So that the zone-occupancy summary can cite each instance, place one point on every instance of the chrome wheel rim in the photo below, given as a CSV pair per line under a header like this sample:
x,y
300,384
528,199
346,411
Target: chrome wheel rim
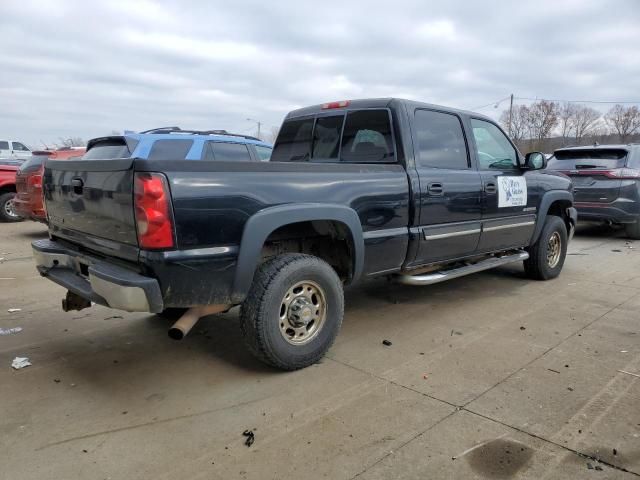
x,y
554,247
9,209
303,311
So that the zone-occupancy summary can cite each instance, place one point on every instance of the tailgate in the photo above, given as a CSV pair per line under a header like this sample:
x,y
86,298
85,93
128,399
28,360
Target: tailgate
x,y
93,198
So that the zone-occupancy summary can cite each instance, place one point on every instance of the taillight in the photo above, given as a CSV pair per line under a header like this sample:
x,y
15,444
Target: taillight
x,y
153,211
34,181
340,104
623,173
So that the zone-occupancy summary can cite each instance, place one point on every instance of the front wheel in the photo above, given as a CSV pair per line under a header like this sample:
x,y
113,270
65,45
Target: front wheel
x,y
546,256
293,311
7,209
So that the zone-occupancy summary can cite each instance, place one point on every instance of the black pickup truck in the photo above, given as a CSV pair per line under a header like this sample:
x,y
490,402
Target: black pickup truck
x,y
354,190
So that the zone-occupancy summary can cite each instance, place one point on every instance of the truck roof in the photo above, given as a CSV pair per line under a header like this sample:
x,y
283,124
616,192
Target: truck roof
x,y
377,103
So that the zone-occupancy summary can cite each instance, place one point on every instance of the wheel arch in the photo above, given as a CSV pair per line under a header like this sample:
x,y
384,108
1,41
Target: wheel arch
x,y
553,203
265,222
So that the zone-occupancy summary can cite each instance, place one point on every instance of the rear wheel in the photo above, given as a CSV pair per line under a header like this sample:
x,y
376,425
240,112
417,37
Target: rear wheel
x,y
546,256
7,210
293,311
632,230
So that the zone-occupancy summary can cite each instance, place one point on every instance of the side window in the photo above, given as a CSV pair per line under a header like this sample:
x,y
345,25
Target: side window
x,y
367,137
230,152
294,141
326,137
440,140
20,147
170,149
264,153
494,150
4,145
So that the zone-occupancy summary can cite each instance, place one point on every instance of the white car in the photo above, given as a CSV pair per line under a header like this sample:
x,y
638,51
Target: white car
x,y
13,149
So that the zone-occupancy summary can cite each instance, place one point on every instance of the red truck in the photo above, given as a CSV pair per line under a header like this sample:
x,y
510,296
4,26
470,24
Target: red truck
x,y
28,182
8,169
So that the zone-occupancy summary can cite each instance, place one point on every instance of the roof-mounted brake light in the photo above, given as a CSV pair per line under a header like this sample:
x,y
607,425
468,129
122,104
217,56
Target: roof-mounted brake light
x,y
340,104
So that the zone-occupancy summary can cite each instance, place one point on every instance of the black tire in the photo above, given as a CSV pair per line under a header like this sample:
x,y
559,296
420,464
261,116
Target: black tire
x,y
265,314
539,265
632,230
5,208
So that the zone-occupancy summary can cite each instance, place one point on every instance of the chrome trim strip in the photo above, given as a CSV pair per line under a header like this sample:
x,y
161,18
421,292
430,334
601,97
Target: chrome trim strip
x,y
460,233
510,225
389,232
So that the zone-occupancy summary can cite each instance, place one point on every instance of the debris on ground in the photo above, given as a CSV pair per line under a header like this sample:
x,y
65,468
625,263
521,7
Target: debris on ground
x,y
552,370
10,331
250,437
13,310
589,466
616,250
598,468
20,362
56,380
615,452
113,317
455,332
387,343
629,373
570,389
425,376
523,328
624,351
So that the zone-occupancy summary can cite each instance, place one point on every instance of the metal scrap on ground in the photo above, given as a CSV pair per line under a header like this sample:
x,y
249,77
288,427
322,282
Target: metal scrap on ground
x,y
20,362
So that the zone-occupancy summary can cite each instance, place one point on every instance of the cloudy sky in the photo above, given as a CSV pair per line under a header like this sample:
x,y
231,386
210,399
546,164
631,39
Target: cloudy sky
x,y
87,68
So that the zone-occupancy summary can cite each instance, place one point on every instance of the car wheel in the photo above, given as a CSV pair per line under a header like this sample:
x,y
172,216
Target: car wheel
x,y
632,230
7,210
293,311
546,256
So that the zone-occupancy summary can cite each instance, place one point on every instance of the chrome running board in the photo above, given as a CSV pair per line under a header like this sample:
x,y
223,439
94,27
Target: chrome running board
x,y
443,275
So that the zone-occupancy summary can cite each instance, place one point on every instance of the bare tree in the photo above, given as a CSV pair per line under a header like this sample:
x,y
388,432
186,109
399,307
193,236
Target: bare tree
x,y
72,142
585,121
543,118
624,121
566,115
519,122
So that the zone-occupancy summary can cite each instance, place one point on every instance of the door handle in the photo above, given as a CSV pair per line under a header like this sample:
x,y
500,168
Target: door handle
x,y
490,187
435,189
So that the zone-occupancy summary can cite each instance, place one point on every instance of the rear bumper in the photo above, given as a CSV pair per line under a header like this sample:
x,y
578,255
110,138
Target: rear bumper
x,y
100,282
619,211
29,209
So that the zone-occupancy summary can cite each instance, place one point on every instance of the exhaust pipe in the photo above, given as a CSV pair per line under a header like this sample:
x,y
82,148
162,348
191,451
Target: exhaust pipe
x,y
187,321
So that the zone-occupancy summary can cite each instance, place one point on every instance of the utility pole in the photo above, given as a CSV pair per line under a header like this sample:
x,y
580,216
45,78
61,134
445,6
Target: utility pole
x,y
510,113
256,122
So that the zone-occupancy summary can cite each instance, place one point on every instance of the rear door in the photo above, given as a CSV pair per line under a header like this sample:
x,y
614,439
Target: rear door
x,y
507,220
450,189
595,173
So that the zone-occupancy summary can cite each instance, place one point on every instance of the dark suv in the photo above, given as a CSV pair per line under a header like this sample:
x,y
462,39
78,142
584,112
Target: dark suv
x,y
606,180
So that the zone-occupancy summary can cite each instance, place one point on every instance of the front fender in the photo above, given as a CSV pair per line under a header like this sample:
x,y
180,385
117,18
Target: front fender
x,y
543,209
263,223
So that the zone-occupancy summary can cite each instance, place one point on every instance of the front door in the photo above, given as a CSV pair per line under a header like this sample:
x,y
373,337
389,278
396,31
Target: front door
x,y
20,151
507,220
450,190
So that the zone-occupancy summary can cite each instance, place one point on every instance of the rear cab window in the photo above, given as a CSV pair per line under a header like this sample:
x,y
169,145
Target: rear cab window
x,y
4,145
440,141
354,136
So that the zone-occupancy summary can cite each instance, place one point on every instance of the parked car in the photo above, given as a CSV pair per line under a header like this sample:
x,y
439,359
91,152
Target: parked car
x,y
28,200
14,150
173,143
354,190
8,169
606,183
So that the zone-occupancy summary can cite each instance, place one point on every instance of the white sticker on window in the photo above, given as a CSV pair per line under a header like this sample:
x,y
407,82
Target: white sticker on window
x,y
512,192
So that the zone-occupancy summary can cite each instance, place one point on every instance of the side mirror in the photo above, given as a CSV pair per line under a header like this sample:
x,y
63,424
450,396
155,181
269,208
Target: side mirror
x,y
535,161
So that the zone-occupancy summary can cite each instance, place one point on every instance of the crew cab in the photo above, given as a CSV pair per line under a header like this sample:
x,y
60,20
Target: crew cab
x,y
354,190
11,149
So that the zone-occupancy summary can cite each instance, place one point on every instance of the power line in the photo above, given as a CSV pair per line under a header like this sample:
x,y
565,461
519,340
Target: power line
x,y
602,102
